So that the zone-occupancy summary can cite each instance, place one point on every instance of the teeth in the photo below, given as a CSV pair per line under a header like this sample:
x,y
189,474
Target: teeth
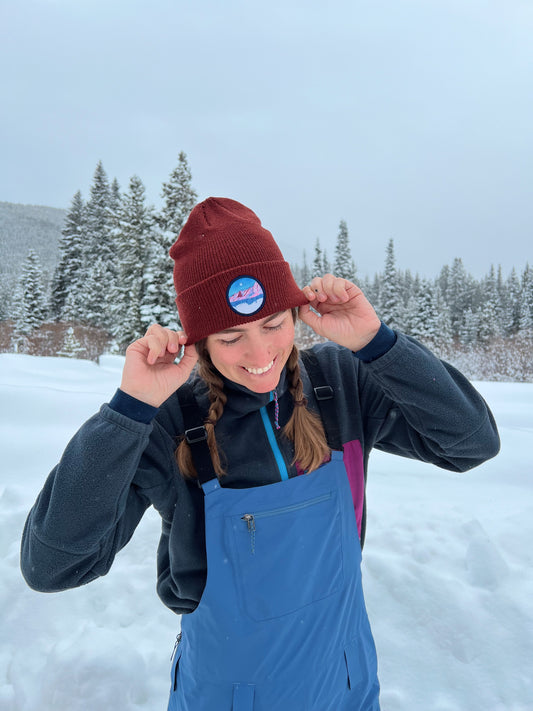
x,y
259,371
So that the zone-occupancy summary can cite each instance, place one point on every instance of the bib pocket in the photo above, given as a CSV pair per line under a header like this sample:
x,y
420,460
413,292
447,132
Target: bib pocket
x,y
288,557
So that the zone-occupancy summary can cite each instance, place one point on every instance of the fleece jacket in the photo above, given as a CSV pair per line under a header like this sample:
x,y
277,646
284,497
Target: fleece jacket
x,y
406,402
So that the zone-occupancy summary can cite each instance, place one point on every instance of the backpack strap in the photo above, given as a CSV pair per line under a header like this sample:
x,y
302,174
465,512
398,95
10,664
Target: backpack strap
x,y
196,434
325,397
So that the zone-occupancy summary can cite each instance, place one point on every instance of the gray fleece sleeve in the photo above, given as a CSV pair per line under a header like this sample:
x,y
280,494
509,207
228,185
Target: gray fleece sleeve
x,y
424,408
88,507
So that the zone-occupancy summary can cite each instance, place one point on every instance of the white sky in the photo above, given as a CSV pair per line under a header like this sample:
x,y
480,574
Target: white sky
x,y
409,119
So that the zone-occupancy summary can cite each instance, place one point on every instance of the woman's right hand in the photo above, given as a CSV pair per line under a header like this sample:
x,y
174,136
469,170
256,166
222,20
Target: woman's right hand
x,y
150,373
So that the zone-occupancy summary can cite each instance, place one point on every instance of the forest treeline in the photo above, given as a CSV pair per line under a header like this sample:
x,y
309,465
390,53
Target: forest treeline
x,y
114,278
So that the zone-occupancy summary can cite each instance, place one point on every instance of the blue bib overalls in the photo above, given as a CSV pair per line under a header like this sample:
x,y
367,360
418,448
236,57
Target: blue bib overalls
x,y
282,624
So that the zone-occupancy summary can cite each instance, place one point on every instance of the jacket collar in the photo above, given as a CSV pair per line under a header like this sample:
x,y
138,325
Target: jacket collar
x,y
242,401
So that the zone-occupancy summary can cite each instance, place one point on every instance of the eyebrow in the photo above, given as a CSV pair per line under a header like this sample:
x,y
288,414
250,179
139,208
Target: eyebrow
x,y
241,330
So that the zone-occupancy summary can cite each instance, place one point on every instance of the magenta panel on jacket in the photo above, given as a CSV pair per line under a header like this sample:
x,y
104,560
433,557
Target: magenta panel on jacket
x,y
353,463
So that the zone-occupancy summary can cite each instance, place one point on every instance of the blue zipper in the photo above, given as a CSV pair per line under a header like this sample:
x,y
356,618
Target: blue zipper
x,y
273,443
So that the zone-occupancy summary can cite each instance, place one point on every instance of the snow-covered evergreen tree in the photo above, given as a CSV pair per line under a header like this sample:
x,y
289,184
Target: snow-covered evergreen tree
x,y
99,271
305,272
136,226
419,319
441,317
326,264
510,295
71,347
526,303
490,311
390,304
469,328
179,199
67,273
95,299
317,269
457,295
31,307
343,265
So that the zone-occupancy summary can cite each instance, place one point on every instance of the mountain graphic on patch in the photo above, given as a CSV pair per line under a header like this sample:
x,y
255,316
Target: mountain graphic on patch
x,y
245,295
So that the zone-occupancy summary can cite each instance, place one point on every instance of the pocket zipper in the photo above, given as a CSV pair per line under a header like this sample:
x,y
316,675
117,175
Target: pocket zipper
x,y
250,519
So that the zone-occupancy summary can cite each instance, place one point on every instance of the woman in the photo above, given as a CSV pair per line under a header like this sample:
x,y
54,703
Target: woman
x,y
256,462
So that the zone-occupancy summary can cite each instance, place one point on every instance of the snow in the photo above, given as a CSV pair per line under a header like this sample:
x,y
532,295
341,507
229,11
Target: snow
x,y
448,569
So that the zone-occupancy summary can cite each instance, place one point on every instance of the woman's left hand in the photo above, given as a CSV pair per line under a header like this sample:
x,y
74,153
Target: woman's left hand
x,y
345,316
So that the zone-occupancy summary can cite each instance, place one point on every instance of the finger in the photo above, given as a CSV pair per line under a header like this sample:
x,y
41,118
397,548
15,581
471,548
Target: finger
x,y
187,362
310,318
157,347
176,339
316,286
335,288
310,295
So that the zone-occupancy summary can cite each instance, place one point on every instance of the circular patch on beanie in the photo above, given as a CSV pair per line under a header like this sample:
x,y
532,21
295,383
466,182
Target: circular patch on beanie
x,y
245,295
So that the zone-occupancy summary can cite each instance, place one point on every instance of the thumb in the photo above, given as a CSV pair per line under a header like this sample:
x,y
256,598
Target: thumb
x,y
310,318
188,360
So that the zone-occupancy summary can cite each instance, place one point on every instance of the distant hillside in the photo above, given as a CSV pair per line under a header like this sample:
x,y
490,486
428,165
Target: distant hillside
x,y
23,227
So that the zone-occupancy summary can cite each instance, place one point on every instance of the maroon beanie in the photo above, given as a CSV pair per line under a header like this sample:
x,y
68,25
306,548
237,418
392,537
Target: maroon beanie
x,y
228,270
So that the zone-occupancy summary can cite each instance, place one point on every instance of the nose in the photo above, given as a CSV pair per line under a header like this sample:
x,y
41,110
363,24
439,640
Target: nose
x,y
258,351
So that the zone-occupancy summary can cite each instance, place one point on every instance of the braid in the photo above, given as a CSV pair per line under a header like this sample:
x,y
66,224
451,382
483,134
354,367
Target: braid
x,y
217,398
304,427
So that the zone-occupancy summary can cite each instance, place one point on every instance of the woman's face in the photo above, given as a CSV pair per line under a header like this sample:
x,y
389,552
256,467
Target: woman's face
x,y
254,354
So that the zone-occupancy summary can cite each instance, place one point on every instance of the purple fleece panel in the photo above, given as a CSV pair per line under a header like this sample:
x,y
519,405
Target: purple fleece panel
x,y
353,462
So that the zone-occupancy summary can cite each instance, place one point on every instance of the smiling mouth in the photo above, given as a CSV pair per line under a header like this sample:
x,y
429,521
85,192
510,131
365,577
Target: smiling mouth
x,y
259,371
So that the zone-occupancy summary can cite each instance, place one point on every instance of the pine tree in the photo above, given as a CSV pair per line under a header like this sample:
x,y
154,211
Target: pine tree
x,y
65,277
129,298
390,303
71,347
443,281
317,269
31,310
326,266
469,328
526,303
99,258
342,266
179,199
441,317
457,295
489,314
419,319
510,295
305,273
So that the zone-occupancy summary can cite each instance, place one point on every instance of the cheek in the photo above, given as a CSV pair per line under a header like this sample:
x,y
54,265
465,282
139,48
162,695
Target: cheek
x,y
286,340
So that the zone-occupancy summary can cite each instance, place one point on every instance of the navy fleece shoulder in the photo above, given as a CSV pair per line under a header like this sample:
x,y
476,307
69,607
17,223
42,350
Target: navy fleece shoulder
x,y
382,342
131,407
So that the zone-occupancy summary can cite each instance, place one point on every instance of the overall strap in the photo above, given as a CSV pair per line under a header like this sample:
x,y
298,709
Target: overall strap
x,y
325,397
326,402
196,434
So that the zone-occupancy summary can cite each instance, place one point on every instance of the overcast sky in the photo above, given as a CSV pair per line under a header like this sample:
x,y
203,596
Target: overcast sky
x,y
408,119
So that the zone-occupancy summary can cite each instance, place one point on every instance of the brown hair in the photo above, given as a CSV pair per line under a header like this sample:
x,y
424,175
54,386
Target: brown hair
x,y
304,427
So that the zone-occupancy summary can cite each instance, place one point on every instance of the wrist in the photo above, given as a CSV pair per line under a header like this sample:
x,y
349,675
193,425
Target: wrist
x,y
382,342
132,407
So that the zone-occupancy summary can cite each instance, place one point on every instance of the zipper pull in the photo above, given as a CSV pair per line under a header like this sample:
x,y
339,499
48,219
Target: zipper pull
x,y
178,640
250,522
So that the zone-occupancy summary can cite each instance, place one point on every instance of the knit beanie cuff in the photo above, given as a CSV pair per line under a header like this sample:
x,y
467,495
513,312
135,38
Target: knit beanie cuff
x,y
201,316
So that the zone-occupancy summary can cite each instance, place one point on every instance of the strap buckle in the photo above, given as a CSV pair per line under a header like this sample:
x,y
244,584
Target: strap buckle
x,y
196,434
323,392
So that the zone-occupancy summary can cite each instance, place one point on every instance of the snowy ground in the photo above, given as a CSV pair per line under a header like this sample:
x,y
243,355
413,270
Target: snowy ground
x,y
448,569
